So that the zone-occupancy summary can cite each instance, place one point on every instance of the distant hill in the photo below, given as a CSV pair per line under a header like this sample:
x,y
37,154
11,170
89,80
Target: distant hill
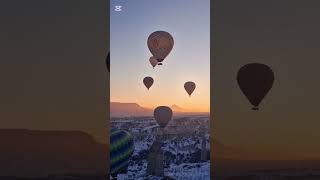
x,y
177,108
118,109
41,153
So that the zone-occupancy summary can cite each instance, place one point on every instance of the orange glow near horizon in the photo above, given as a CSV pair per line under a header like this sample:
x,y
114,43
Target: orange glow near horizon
x,y
167,91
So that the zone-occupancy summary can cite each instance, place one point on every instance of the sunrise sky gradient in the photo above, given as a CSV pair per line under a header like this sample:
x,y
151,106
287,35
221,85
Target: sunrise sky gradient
x,y
188,21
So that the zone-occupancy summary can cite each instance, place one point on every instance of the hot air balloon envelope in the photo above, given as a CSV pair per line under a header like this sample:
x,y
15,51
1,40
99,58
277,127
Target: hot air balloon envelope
x,y
153,61
148,81
255,80
189,87
160,44
108,62
163,114
121,149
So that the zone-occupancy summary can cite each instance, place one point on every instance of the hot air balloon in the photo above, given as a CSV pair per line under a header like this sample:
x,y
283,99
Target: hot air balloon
x,y
148,81
189,87
153,61
160,43
121,149
163,115
108,62
255,80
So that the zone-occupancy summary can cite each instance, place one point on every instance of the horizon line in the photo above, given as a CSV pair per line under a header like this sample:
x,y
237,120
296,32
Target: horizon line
x,y
180,107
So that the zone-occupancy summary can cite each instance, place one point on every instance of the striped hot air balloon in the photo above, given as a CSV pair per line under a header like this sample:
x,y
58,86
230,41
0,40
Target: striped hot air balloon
x,y
121,149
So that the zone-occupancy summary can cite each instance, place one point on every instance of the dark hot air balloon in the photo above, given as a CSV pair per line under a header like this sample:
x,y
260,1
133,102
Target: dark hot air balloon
x,y
160,44
163,115
148,81
108,62
121,149
189,87
255,80
153,61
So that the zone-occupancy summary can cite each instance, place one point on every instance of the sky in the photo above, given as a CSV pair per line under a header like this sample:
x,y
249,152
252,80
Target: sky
x,y
285,36
188,21
52,65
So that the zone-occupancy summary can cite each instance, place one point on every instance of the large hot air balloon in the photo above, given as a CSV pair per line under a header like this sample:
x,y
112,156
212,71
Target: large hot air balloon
x,y
163,115
108,62
121,149
160,43
153,61
148,81
255,80
189,87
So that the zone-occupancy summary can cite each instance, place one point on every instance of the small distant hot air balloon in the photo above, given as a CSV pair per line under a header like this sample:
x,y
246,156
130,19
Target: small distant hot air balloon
x,y
121,149
153,61
148,81
160,44
108,62
255,80
189,87
162,114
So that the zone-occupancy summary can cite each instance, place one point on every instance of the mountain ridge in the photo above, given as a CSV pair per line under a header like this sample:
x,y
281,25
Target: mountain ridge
x,y
37,153
131,109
